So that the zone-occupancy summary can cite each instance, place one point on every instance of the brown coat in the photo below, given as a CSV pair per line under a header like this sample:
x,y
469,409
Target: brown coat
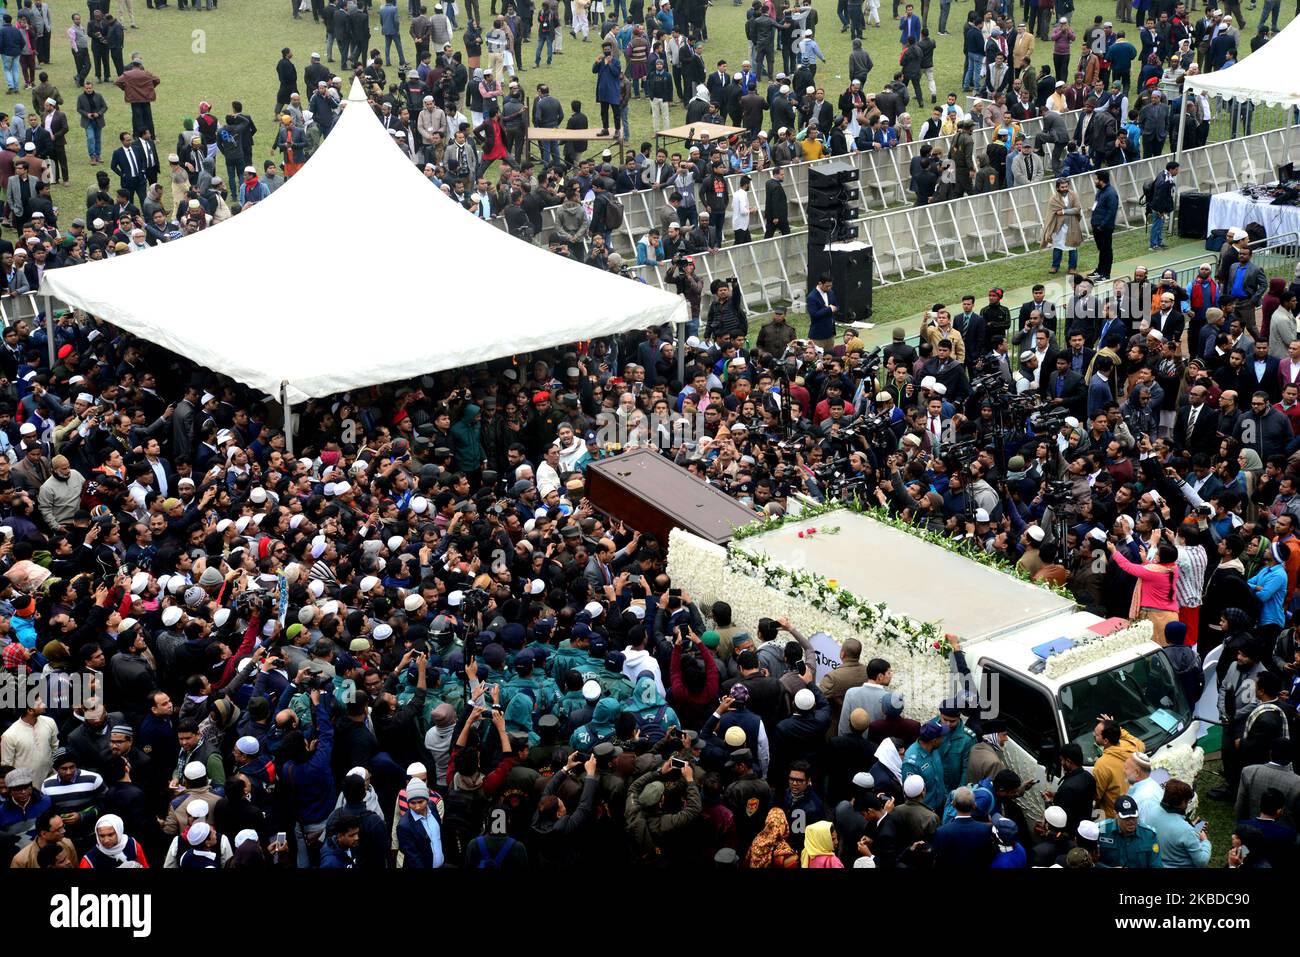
x,y
176,819
26,858
137,85
834,685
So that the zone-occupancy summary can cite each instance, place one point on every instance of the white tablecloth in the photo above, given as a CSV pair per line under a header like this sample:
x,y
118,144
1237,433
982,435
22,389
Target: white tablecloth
x,y
1234,209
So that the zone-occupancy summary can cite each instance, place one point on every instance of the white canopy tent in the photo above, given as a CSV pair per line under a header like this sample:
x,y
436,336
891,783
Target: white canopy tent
x,y
279,298
1268,76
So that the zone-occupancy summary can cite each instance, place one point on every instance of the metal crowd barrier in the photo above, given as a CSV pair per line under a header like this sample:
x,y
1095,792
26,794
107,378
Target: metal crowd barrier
x,y
884,180
912,242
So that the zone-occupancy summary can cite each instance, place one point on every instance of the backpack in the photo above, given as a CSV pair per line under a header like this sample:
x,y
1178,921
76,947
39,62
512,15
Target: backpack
x,y
495,861
1148,194
653,724
613,214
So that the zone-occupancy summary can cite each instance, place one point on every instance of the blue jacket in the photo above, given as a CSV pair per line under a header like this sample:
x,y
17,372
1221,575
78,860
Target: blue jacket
x,y
1107,206
333,857
312,783
11,41
963,843
388,19
909,27
414,842
607,77
1270,587
1011,859
821,320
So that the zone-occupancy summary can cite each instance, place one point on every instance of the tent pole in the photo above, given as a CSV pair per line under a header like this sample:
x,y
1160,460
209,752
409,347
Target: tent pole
x,y
1182,124
288,417
681,352
49,328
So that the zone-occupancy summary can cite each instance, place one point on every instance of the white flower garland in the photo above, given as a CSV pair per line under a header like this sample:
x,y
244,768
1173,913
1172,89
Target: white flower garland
x,y
1183,763
1088,650
704,571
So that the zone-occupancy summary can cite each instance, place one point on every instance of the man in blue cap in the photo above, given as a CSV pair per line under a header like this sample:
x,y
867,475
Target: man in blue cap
x,y
1125,842
954,747
922,758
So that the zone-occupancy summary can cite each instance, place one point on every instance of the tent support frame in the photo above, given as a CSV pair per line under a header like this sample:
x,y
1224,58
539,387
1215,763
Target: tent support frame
x,y
287,409
49,327
1182,128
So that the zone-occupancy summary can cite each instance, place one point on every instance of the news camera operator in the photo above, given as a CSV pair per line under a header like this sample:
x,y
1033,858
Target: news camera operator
x,y
727,311
681,273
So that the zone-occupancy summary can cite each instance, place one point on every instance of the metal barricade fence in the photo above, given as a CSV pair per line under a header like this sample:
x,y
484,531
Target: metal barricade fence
x,y
913,242
884,177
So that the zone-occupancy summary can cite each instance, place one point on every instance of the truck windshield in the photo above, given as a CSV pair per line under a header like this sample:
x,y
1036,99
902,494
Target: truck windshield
x,y
1142,695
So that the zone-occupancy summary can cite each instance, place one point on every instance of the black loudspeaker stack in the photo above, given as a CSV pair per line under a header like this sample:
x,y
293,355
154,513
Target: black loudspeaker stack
x,y
851,267
832,193
1193,215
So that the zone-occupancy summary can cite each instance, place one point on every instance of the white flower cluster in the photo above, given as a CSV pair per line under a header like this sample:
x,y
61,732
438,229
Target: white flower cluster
x,y
1183,763
703,570
1088,650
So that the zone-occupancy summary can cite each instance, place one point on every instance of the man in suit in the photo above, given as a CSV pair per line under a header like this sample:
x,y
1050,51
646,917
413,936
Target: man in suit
x,y
146,151
963,843
1027,167
1039,303
1168,320
1196,424
1262,373
718,81
21,192
1078,354
1275,775
598,573
822,114
55,122
126,163
822,309
1065,387
419,832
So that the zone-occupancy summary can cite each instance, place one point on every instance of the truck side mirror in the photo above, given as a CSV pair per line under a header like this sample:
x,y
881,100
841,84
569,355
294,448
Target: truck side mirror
x,y
1049,756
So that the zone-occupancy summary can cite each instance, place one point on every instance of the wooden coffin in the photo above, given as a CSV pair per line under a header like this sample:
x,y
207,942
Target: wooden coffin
x,y
652,494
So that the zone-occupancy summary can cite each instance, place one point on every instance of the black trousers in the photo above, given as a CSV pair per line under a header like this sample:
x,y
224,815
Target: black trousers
x,y
1104,238
772,230
141,118
1061,63
82,60
116,54
100,51
60,158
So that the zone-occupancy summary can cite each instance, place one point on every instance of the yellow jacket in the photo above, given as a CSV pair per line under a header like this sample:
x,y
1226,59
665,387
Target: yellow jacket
x,y
1109,771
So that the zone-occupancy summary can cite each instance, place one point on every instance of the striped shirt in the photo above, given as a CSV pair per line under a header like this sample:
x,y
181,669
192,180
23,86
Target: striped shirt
x,y
81,795
1191,576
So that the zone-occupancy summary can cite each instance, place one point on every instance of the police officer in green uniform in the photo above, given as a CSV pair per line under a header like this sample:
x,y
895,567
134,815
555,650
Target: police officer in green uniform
x,y
1126,843
923,758
954,748
613,682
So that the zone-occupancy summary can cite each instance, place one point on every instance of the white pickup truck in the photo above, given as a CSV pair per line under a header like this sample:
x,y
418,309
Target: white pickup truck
x,y
1008,628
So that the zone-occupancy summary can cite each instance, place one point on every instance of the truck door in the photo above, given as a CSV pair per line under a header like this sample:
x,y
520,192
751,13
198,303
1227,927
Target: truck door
x,y
1034,744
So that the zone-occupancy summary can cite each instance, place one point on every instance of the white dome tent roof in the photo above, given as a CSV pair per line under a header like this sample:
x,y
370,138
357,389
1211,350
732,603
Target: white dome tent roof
x,y
279,298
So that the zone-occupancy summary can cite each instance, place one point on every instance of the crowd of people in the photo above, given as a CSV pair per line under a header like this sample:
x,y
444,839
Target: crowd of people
x,y
417,643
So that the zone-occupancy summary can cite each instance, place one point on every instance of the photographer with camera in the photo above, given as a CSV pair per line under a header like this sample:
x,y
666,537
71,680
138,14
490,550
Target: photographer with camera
x,y
727,311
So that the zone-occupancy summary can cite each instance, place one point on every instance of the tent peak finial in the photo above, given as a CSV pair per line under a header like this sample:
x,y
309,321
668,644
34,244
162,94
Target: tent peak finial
x,y
358,92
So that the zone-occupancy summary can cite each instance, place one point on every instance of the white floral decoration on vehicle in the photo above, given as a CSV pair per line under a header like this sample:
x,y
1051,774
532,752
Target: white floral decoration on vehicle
x,y
1088,650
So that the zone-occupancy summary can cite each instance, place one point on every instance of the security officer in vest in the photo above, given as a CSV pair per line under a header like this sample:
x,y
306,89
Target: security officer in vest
x,y
1126,843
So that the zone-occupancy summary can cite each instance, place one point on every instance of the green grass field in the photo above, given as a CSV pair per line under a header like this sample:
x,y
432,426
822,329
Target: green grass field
x,y
230,54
